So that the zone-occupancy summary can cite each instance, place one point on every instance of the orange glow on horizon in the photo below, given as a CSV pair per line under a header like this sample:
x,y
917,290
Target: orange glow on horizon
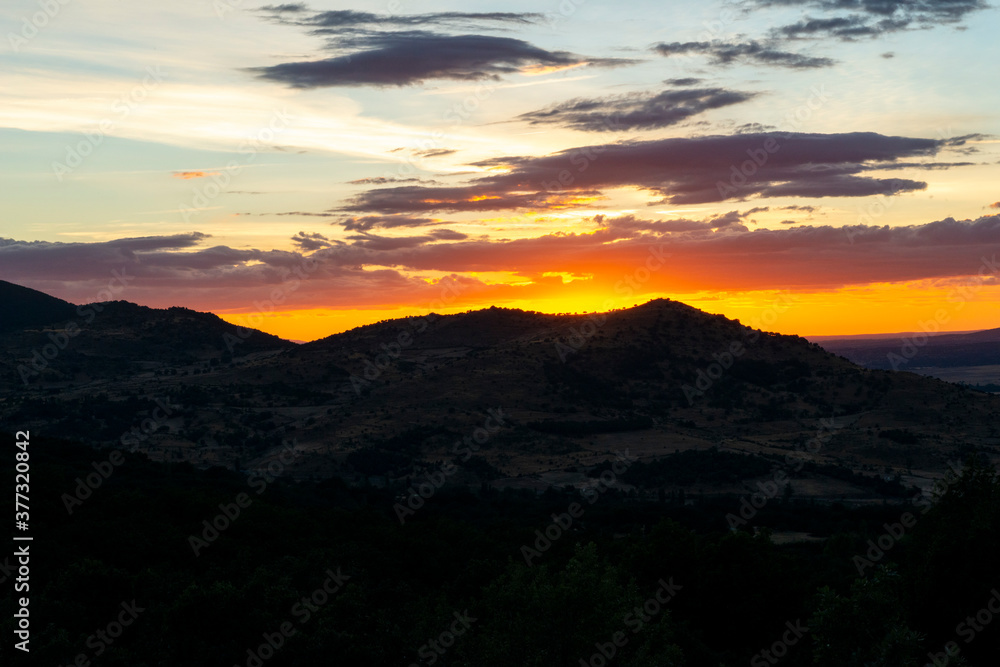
x,y
881,308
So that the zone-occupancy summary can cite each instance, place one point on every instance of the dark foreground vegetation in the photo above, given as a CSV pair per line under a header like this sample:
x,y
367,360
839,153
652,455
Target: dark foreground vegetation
x,y
451,586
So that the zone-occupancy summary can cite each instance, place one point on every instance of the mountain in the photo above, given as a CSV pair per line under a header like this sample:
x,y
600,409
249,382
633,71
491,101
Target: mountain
x,y
512,397
917,350
76,346
24,307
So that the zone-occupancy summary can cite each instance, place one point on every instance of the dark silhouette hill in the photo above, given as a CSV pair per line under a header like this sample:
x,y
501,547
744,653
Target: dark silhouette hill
x,y
22,307
393,398
55,341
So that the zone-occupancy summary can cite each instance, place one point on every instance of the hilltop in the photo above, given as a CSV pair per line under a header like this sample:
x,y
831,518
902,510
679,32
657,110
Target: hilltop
x,y
388,400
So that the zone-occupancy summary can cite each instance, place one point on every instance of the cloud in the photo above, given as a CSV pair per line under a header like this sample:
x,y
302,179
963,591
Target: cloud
x,y
727,53
681,170
854,19
382,180
342,20
408,58
187,175
719,253
436,152
306,214
290,8
995,204
308,242
374,242
369,222
638,111
715,253
686,81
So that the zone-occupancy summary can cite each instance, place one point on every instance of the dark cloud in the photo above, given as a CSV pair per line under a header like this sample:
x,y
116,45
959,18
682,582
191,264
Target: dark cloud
x,y
374,242
400,59
458,198
630,226
448,235
682,170
856,19
716,253
369,222
799,256
727,53
290,8
436,152
382,180
639,111
306,214
754,128
844,27
350,19
995,204
684,82
308,242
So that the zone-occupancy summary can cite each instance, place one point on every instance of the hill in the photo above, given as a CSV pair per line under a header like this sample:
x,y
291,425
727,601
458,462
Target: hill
x,y
24,307
512,398
77,346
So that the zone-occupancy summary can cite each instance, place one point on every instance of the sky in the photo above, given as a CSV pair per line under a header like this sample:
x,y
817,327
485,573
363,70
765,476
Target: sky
x,y
816,167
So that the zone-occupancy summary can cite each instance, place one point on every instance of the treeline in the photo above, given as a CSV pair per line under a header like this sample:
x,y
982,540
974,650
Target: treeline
x,y
457,564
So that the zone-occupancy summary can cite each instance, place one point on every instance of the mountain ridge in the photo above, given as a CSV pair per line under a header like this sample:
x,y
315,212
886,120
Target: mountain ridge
x,y
391,398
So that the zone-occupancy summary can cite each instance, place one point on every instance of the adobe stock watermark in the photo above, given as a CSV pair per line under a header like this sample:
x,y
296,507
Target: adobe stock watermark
x,y
706,377
635,620
418,494
751,504
230,512
103,638
436,647
392,351
630,283
967,630
715,30
561,523
291,282
302,611
875,209
779,649
32,25
880,546
42,357
741,175
958,296
86,486
248,149
455,116
581,158
76,154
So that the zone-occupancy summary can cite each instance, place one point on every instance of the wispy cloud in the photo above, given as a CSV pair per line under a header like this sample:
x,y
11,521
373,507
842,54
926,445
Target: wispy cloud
x,y
728,53
680,170
638,111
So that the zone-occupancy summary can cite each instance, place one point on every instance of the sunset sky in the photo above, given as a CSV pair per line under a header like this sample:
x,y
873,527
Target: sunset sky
x,y
307,168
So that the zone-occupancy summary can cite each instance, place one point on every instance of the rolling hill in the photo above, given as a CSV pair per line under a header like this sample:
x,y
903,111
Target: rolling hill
x,y
514,398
